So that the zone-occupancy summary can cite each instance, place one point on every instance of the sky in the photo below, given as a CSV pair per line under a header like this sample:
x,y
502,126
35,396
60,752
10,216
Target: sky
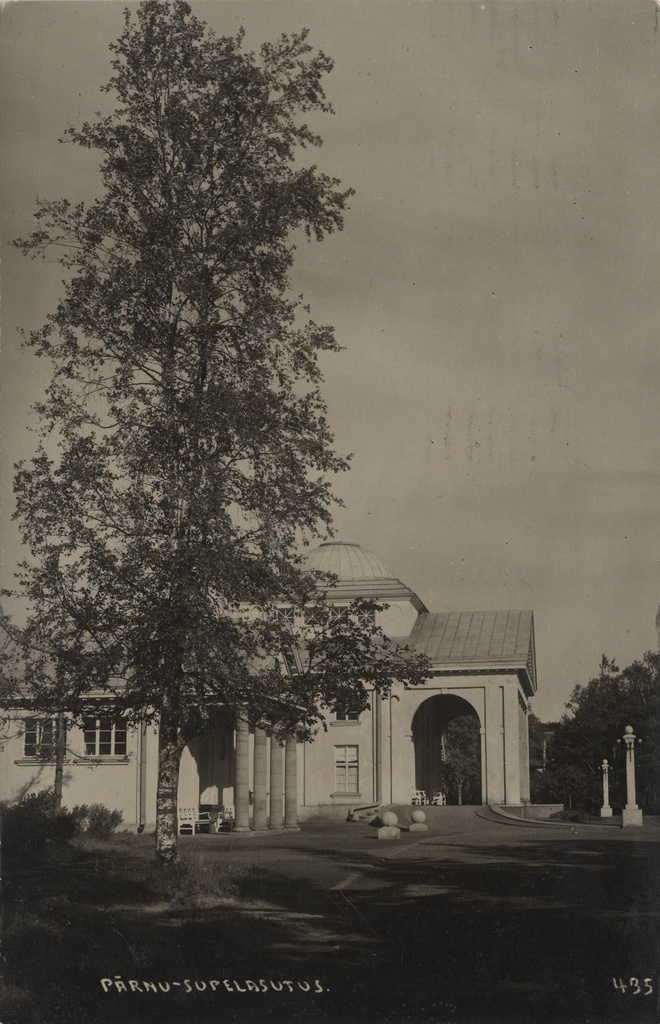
x,y
494,288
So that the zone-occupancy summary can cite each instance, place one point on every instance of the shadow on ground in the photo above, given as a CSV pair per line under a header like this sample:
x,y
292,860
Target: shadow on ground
x,y
519,933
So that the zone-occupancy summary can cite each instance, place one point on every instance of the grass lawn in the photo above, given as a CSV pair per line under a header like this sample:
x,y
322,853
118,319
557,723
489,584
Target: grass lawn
x,y
517,925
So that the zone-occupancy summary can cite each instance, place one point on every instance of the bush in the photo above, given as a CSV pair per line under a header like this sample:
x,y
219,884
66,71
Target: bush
x,y
96,820
42,802
578,788
30,824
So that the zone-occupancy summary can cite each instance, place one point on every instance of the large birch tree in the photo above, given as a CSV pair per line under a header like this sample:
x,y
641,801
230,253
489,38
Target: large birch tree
x,y
185,454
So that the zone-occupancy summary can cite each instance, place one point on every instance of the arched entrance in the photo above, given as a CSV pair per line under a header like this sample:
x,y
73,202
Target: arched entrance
x,y
447,743
206,771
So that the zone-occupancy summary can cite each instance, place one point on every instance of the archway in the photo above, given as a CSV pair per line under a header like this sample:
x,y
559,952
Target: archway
x,y
206,774
447,743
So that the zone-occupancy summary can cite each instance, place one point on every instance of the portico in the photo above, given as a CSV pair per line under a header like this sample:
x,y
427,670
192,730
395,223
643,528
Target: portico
x,y
257,777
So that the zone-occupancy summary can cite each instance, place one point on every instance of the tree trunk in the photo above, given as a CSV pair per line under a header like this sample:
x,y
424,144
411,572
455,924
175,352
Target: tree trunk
x,y
459,786
60,754
169,757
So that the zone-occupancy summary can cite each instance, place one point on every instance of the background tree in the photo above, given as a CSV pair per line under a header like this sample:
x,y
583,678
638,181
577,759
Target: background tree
x,y
592,730
185,453
541,736
462,759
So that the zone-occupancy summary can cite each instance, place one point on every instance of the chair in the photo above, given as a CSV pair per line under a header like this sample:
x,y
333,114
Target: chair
x,y
225,821
419,798
438,799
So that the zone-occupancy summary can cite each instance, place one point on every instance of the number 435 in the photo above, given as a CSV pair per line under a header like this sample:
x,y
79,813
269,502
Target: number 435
x,y
635,986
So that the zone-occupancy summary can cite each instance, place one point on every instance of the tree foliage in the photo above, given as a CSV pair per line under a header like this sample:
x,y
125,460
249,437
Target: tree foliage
x,y
185,453
462,764
592,731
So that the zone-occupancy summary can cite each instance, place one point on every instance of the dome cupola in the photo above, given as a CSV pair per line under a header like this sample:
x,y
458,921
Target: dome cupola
x,y
349,562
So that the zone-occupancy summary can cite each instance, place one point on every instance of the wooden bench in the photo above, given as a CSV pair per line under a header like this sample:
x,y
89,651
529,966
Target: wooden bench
x,y
192,821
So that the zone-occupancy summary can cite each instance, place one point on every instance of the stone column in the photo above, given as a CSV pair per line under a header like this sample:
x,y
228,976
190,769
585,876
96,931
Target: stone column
x,y
276,783
242,774
291,783
260,816
385,740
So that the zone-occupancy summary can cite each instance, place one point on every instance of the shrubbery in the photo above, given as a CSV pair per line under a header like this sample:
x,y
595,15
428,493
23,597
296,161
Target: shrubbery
x,y
96,820
28,825
592,730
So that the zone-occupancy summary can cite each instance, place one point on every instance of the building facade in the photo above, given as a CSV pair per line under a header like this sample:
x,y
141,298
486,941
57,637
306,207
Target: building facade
x,y
482,666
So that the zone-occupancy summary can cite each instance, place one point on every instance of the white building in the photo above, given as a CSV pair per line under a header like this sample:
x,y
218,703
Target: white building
x,y
483,664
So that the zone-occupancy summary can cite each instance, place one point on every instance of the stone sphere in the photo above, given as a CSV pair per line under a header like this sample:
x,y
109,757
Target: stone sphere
x,y
628,730
389,818
418,816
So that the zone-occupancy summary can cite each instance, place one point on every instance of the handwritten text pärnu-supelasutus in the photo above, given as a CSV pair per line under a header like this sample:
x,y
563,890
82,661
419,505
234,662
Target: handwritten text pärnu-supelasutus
x,y
261,985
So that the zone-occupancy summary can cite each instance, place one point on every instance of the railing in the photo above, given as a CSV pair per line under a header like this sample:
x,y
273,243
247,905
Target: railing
x,y
356,810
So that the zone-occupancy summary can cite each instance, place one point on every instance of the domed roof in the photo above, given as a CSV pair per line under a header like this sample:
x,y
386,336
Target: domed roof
x,y
347,561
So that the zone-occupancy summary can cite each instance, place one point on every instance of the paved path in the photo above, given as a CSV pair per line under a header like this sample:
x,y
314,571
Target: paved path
x,y
468,830
474,921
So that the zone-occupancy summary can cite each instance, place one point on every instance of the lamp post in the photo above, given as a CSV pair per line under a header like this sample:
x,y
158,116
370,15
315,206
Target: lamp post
x,y
632,815
606,810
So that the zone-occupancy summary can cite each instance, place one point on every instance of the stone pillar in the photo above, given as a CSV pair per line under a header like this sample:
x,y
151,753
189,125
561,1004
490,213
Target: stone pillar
x,y
242,774
374,745
523,737
484,767
386,753
494,725
606,810
631,813
276,783
291,783
260,816
511,741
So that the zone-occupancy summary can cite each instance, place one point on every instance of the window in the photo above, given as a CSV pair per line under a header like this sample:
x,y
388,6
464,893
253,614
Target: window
x,y
317,615
39,738
346,769
367,618
313,616
285,616
290,661
347,716
104,737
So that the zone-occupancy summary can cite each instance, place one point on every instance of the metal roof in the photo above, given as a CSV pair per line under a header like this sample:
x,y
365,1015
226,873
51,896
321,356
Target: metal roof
x,y
477,639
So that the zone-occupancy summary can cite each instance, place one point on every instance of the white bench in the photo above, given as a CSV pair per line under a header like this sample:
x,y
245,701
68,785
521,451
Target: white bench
x,y
192,821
